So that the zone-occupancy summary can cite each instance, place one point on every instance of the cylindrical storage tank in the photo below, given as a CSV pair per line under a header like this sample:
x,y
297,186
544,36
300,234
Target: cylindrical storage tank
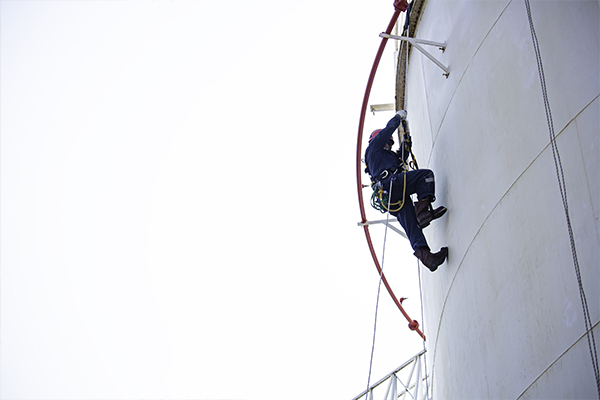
x,y
503,317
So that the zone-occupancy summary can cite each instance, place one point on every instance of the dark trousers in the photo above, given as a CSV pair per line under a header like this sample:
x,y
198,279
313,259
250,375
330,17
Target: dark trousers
x,y
421,182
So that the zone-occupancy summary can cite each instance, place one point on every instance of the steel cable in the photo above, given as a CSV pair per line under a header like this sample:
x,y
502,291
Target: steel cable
x,y
378,292
423,329
563,193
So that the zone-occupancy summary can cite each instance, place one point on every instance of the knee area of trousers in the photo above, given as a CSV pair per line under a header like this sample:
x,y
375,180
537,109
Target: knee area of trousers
x,y
429,178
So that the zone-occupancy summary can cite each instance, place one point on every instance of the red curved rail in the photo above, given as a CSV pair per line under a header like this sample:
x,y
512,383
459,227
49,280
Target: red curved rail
x,y
413,324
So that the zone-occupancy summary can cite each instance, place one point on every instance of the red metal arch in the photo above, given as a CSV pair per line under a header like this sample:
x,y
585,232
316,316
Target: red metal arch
x,y
413,324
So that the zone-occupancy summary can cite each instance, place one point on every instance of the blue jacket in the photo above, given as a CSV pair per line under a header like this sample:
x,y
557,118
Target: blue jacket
x,y
377,157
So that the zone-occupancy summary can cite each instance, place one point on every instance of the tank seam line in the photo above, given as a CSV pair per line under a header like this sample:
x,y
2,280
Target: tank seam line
x,y
558,358
477,234
461,79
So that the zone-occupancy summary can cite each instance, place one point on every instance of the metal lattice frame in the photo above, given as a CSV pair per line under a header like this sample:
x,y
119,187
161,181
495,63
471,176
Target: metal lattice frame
x,y
408,381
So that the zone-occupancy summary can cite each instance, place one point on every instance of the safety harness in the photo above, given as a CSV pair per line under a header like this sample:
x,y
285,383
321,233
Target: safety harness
x,y
380,197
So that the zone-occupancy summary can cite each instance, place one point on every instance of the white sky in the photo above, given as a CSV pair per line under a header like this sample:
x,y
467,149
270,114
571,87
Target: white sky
x,y
178,201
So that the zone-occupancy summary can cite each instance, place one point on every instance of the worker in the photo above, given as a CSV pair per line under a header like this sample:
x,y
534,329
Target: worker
x,y
385,167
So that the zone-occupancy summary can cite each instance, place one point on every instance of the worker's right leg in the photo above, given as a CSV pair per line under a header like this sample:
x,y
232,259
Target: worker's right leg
x,y
419,182
408,220
431,260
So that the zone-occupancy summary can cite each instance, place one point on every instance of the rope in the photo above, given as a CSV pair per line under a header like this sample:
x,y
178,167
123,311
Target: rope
x,y
378,202
377,302
423,328
563,193
413,164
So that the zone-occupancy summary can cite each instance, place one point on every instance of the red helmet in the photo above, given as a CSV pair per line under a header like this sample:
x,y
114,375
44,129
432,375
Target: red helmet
x,y
374,133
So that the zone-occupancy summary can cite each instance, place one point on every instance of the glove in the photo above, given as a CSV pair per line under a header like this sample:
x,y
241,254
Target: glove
x,y
402,114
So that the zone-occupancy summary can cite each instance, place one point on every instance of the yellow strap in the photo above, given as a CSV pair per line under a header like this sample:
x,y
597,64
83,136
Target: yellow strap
x,y
401,202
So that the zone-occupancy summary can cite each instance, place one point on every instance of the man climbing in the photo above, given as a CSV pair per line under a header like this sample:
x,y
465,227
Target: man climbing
x,y
385,169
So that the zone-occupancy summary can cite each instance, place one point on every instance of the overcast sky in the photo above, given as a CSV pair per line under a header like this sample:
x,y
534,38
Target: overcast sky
x,y
178,201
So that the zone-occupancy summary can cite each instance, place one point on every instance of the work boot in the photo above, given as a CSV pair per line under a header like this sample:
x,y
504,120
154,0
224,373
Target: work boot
x,y
438,212
431,260
425,213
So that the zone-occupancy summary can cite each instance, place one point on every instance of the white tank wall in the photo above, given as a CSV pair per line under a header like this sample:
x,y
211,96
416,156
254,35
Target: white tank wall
x,y
503,316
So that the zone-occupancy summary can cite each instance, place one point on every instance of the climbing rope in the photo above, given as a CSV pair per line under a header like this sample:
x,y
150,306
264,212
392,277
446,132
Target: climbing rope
x,y
563,194
413,164
377,302
423,328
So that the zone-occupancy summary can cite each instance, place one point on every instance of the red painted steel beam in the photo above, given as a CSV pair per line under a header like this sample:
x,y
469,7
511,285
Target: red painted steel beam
x,y
413,324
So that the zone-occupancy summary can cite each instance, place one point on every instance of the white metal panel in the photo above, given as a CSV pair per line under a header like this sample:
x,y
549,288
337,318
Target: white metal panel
x,y
503,316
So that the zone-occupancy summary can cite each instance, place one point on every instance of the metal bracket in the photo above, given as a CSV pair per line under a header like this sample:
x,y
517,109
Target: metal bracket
x,y
417,45
382,107
384,222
